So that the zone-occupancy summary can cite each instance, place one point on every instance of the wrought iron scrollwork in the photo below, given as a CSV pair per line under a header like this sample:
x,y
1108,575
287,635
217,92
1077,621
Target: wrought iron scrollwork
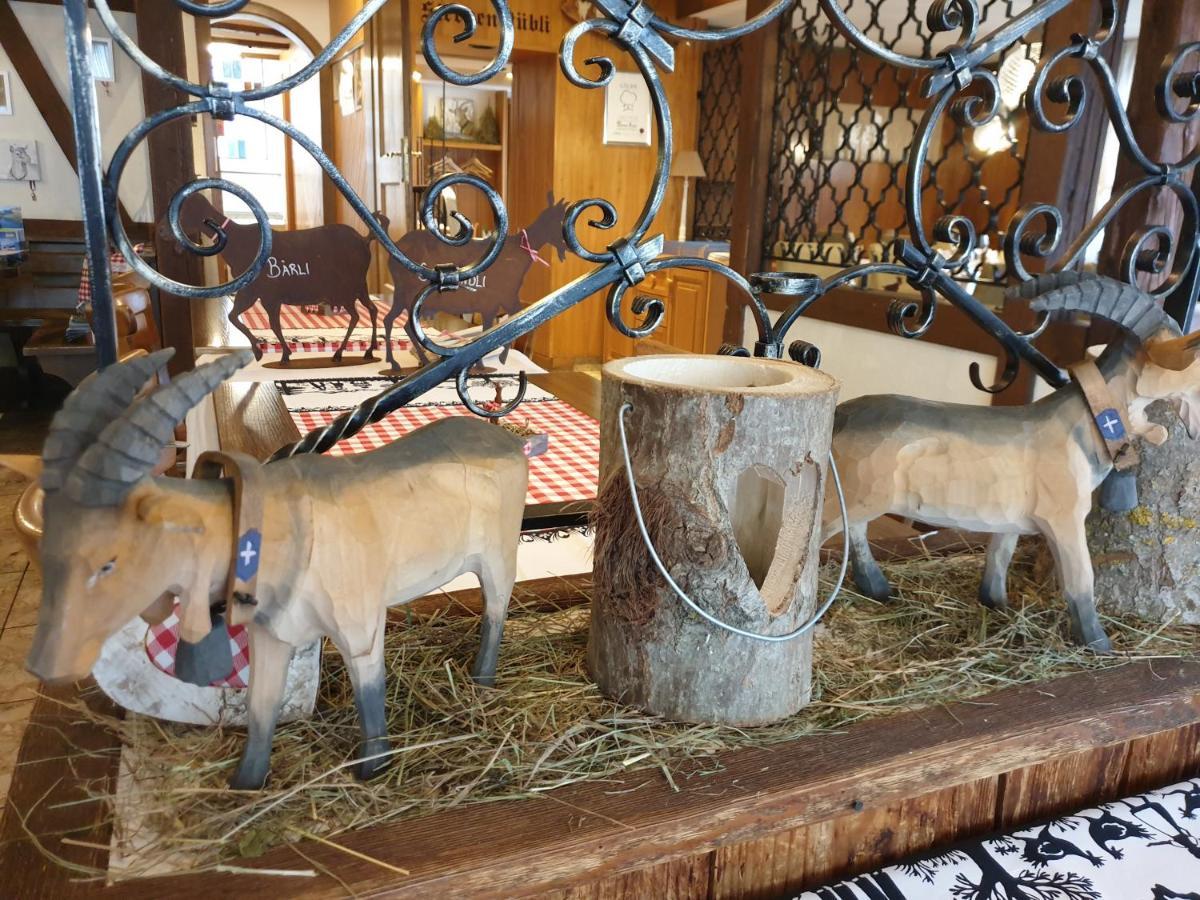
x,y
956,81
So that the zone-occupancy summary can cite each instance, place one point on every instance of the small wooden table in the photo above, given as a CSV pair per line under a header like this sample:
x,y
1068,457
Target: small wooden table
x,y
252,419
71,361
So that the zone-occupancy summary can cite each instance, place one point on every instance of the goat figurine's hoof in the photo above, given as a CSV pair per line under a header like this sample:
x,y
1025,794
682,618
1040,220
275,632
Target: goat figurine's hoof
x,y
249,777
992,599
1087,631
373,762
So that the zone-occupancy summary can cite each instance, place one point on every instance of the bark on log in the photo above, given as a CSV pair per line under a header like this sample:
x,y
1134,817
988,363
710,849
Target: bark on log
x,y
1147,561
730,458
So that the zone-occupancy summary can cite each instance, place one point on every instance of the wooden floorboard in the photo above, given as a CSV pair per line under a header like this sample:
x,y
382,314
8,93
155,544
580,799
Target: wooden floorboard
x,y
589,834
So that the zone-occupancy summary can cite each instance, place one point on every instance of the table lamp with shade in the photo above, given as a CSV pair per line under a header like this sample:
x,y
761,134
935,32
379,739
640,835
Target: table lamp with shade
x,y
686,165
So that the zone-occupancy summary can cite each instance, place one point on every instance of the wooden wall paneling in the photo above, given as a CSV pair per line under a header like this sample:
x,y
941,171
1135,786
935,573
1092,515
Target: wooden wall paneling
x,y
531,165
391,65
760,54
353,148
621,174
172,165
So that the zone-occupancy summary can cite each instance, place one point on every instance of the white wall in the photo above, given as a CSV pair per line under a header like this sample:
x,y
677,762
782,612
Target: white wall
x,y
120,110
312,14
871,362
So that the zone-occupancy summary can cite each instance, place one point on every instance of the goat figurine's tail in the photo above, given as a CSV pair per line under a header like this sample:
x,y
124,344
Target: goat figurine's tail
x,y
382,220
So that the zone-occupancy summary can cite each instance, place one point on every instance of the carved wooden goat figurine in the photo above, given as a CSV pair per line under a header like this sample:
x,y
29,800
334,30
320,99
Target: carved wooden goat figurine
x,y
1010,471
332,552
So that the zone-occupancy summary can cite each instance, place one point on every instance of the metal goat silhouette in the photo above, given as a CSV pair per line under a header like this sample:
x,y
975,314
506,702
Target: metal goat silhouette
x,y
327,264
491,295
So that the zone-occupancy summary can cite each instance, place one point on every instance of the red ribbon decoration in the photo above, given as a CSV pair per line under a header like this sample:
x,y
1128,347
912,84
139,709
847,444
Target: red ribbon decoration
x,y
533,254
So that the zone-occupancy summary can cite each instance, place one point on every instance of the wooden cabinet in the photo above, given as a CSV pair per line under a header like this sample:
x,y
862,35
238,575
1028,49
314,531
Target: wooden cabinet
x,y
695,310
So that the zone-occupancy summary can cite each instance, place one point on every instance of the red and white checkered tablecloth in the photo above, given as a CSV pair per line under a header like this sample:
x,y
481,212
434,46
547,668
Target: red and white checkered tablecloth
x,y
117,264
566,472
294,317
162,642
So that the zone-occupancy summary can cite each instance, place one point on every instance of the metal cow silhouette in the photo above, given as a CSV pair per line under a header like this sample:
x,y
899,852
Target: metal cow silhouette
x,y
495,295
327,264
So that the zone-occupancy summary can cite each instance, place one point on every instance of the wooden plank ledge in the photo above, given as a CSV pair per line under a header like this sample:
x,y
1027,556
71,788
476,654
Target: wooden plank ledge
x,y
586,832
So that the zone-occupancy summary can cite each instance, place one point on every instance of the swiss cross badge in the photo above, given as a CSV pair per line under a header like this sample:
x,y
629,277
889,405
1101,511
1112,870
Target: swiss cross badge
x,y
1110,425
249,546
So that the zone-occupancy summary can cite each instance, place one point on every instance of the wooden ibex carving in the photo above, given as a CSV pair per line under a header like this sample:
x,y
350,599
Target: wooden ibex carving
x,y
340,540
1018,470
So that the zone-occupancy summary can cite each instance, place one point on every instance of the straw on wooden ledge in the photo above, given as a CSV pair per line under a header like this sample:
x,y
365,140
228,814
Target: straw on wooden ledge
x,y
545,726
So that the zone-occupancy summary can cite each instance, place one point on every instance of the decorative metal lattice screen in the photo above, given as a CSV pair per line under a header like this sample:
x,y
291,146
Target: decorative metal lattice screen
x,y
845,123
720,95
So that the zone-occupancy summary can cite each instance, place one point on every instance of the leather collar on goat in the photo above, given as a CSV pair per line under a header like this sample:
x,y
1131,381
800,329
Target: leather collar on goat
x,y
245,472
1110,420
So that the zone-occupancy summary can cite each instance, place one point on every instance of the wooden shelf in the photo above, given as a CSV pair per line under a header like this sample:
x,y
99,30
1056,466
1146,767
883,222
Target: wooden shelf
x,y
463,145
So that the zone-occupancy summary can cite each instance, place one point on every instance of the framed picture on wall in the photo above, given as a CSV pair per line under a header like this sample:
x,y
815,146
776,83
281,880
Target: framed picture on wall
x,y
627,110
104,67
5,95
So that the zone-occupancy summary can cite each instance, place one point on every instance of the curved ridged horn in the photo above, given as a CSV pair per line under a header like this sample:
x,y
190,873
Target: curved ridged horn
x,y
100,398
1176,354
1104,298
129,448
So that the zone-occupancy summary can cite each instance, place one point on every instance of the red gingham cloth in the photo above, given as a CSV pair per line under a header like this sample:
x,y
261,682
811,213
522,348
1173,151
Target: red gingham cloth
x,y
116,263
567,471
162,641
293,317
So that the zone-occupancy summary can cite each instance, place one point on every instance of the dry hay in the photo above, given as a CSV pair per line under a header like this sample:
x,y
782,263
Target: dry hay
x,y
546,726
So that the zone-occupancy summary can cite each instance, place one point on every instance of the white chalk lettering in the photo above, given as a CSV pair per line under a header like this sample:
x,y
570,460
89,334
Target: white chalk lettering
x,y
281,268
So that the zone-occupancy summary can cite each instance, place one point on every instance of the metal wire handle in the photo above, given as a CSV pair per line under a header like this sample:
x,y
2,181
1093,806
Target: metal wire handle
x,y
691,604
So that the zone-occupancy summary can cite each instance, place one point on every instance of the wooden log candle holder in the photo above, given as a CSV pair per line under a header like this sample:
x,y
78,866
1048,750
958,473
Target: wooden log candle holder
x,y
730,461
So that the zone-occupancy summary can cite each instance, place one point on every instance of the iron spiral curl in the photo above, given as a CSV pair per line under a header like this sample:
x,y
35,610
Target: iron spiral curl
x,y
950,79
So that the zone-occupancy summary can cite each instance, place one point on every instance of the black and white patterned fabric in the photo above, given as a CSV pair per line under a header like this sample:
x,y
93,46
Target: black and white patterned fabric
x,y
1140,848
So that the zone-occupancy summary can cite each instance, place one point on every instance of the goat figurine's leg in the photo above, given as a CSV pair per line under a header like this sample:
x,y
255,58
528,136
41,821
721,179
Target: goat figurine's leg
x,y
1068,543
242,301
269,659
392,313
867,575
370,696
373,312
496,582
410,328
352,306
993,590
273,314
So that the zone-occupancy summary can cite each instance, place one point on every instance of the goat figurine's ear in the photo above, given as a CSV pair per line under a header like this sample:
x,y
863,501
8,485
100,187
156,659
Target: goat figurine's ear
x,y
165,512
1176,354
28,467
